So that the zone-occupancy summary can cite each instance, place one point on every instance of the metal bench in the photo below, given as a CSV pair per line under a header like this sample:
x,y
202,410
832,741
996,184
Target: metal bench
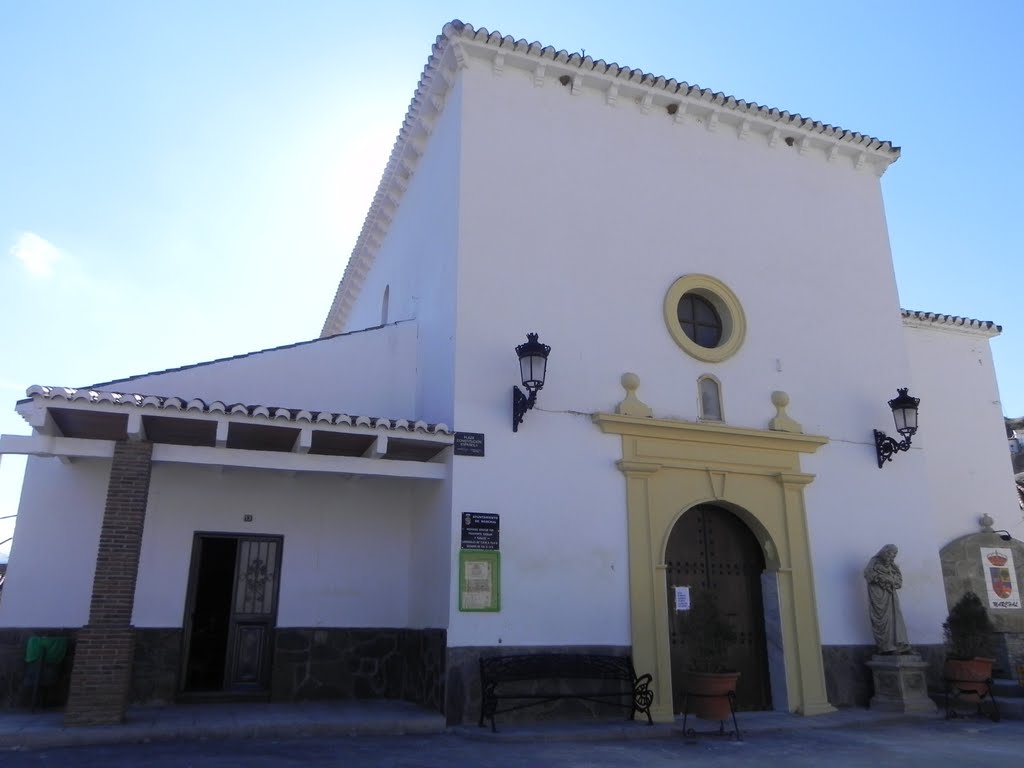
x,y
499,676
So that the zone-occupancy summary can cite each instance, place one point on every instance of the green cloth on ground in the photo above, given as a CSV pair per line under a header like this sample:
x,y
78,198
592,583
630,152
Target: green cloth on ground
x,y
51,649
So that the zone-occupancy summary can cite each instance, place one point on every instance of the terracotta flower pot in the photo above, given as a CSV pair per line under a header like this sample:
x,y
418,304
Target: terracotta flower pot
x,y
969,676
708,694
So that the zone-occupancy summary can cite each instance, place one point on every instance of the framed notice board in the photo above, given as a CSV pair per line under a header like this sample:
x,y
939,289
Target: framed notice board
x,y
479,580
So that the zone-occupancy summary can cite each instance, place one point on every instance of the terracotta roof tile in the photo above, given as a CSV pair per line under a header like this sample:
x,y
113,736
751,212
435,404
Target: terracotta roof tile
x,y
986,327
270,413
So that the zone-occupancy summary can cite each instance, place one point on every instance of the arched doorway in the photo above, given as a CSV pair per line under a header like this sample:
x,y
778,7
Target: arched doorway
x,y
671,465
710,548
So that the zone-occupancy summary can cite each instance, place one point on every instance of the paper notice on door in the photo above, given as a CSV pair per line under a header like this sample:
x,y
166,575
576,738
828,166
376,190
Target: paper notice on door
x,y
682,598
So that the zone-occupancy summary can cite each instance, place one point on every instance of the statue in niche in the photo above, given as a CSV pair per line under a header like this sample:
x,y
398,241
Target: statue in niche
x,y
884,578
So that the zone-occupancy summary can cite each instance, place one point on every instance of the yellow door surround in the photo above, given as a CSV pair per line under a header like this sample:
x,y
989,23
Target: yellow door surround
x,y
672,466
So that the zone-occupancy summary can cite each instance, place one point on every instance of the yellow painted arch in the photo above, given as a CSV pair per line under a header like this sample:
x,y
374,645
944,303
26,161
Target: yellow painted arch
x,y
672,466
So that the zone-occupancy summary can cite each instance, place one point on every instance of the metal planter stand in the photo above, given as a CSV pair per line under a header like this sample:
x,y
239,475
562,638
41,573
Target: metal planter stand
x,y
730,696
954,693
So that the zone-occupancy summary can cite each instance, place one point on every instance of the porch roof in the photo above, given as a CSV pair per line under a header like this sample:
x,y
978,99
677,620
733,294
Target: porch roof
x,y
72,423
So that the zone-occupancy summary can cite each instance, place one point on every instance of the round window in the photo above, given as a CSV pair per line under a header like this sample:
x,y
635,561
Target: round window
x,y
699,320
704,317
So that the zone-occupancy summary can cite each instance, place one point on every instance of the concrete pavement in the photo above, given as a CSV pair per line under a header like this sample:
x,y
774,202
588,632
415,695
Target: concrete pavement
x,y
43,730
222,721
848,739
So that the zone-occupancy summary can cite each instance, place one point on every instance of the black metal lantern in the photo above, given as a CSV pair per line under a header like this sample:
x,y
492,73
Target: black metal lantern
x,y
533,367
904,413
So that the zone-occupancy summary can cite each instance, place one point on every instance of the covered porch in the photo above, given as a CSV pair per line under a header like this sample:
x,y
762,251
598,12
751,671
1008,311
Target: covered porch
x,y
336,498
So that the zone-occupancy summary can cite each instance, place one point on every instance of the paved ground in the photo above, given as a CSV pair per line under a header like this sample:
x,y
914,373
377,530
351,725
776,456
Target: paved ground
x,y
401,735
932,743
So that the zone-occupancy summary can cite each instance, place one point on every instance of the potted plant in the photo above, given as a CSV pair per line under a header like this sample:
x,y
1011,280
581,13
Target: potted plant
x,y
708,637
968,632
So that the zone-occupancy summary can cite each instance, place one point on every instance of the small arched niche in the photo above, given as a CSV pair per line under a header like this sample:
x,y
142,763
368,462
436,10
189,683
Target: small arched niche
x,y
709,398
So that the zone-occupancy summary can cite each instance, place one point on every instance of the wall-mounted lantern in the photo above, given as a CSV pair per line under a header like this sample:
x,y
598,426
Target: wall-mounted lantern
x,y
533,366
904,413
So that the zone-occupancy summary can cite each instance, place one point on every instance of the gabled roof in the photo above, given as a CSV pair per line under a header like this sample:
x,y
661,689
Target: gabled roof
x,y
678,98
189,366
950,322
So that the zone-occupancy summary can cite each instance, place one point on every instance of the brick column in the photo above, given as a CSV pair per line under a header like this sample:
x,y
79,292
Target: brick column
x,y
101,675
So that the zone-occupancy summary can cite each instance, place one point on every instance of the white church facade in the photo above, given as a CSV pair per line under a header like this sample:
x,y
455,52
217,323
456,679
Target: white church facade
x,y
715,283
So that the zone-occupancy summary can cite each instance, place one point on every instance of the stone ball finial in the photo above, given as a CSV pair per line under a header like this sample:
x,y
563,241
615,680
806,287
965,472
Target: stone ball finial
x,y
782,422
985,521
631,405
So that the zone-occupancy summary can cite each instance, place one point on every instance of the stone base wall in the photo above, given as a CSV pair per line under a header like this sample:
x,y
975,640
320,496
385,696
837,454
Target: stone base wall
x,y
1008,649
156,666
848,680
15,692
462,696
404,664
334,663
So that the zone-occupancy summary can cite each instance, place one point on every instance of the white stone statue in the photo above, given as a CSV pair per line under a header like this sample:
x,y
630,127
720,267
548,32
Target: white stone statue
x,y
884,578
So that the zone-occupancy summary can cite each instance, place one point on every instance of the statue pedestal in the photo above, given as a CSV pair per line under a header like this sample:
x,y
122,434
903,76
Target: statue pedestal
x,y
900,684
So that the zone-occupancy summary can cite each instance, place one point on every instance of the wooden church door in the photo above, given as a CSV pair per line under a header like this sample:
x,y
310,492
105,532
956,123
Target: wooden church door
x,y
711,548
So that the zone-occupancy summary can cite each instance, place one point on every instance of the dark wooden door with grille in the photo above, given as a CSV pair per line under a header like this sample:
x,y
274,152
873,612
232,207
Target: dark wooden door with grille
x,y
711,548
230,615
253,614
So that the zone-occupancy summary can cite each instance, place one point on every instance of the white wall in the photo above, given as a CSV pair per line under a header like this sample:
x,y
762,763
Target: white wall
x,y
53,557
416,263
364,374
429,545
962,432
575,218
349,555
345,555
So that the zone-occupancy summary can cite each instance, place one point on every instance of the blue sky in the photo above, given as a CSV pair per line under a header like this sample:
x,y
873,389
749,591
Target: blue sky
x,y
184,180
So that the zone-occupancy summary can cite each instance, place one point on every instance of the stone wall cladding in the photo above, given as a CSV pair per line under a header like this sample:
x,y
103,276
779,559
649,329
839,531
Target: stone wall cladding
x,y
101,674
962,571
1009,654
358,663
462,697
13,691
848,680
156,666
